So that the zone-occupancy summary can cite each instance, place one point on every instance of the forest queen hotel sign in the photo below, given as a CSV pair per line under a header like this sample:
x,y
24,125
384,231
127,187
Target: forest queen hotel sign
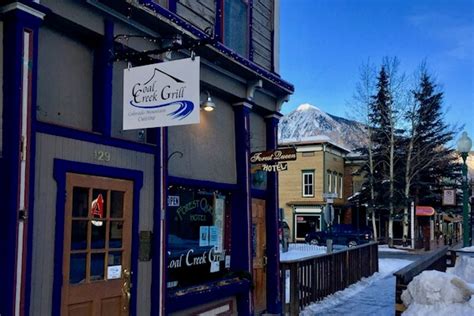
x,y
163,94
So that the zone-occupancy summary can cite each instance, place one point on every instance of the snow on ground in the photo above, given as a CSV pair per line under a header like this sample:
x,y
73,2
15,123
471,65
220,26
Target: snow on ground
x,y
370,296
301,251
443,293
386,248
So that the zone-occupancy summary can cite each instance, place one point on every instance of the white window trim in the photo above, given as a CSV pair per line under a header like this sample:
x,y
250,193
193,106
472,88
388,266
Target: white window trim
x,y
304,185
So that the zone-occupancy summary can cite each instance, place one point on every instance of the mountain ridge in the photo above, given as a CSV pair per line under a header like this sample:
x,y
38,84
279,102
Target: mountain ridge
x,y
307,122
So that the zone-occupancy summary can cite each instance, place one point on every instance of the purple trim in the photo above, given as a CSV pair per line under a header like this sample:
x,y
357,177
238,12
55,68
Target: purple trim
x,y
15,22
221,47
156,305
241,216
203,184
219,22
61,167
271,219
51,129
102,82
172,5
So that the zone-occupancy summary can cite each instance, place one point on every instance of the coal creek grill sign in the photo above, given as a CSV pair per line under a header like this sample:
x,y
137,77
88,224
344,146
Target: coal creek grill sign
x,y
273,160
163,94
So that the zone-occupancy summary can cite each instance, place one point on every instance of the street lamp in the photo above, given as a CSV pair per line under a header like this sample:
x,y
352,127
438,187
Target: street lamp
x,y
464,146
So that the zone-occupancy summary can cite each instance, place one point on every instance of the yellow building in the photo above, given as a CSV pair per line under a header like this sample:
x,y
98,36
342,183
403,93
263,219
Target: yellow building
x,y
318,172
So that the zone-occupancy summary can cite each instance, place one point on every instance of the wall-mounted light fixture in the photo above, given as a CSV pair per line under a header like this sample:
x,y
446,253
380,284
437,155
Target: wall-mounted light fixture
x,y
208,105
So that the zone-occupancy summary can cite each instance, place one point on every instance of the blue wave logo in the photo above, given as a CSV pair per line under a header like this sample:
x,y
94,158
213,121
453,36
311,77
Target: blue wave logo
x,y
185,108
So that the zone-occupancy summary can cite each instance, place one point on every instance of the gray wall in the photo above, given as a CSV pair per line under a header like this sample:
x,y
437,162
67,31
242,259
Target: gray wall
x,y
50,147
117,107
202,13
262,32
257,133
208,148
64,80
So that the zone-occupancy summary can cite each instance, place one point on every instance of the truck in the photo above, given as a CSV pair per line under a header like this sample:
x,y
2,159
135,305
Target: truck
x,y
341,234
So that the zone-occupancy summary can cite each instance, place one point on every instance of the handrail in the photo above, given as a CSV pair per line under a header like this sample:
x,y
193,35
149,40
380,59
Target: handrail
x,y
313,278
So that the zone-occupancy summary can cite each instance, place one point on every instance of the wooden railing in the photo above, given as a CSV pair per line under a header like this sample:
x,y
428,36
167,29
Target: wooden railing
x,y
437,260
311,279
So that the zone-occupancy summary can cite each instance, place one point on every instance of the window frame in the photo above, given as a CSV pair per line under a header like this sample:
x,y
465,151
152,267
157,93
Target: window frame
x,y
220,27
304,185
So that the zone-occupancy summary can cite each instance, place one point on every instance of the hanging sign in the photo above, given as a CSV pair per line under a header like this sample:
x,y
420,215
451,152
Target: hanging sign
x,y
449,197
163,94
273,156
281,166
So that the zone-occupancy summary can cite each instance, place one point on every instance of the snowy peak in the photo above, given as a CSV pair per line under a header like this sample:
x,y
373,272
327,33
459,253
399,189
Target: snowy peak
x,y
309,122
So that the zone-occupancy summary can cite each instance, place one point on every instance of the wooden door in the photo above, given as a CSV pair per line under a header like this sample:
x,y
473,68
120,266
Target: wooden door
x,y
259,255
97,246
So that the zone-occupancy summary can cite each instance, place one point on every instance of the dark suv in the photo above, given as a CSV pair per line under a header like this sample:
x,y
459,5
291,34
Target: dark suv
x,y
342,234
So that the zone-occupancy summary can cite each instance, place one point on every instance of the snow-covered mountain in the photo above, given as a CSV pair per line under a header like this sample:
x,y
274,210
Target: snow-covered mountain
x,y
308,122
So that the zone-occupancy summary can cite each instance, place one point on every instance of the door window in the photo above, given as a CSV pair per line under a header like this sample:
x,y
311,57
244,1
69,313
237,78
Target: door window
x,y
96,233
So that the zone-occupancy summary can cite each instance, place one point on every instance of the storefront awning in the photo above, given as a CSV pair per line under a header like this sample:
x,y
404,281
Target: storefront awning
x,y
425,211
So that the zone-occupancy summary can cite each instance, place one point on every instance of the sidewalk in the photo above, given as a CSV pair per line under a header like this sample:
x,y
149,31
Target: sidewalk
x,y
372,296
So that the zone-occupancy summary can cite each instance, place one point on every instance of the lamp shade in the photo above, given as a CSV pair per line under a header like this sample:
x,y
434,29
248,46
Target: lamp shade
x,y
464,143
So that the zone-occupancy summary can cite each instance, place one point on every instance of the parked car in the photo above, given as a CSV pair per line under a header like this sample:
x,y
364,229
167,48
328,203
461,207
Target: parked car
x,y
341,234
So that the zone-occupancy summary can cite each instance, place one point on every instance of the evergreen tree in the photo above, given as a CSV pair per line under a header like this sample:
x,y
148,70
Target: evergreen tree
x,y
427,158
383,118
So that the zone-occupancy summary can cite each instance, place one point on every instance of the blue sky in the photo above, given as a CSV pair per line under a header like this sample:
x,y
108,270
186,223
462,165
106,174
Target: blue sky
x,y
325,42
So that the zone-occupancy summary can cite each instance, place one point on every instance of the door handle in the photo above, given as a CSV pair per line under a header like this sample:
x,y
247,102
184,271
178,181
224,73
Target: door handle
x,y
126,286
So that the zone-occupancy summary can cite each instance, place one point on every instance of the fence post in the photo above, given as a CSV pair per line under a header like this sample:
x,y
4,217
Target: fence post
x,y
294,289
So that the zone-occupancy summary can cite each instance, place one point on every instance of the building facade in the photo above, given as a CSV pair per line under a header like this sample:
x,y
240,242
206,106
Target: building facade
x,y
150,221
317,173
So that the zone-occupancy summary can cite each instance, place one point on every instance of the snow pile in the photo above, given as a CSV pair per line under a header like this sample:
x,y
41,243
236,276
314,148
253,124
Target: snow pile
x,y
439,293
464,268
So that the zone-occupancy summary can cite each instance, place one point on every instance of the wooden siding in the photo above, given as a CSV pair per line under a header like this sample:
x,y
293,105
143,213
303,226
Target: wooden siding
x,y
68,64
257,133
200,13
117,107
262,33
290,181
198,143
50,147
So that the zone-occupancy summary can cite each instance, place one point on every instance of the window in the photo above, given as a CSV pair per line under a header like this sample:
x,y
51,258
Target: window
x,y
335,183
306,223
329,181
197,240
235,25
340,185
308,183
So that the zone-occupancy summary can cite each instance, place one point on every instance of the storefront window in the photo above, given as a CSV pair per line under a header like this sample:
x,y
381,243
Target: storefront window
x,y
306,223
197,245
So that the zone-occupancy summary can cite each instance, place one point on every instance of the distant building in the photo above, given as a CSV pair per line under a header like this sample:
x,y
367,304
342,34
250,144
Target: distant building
x,y
318,170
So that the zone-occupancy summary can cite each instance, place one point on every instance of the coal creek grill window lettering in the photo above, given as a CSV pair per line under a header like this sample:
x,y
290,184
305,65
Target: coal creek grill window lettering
x,y
197,244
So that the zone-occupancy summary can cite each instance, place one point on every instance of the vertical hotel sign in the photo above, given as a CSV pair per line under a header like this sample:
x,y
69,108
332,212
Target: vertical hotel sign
x,y
163,94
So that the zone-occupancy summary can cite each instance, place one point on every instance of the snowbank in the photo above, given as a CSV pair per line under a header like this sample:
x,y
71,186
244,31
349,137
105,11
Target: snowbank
x,y
440,293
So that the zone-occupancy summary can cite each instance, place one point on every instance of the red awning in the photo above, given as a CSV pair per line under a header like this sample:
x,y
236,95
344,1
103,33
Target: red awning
x,y
425,211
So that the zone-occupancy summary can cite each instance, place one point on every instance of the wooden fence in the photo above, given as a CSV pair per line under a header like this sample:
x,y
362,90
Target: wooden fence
x,y
311,279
